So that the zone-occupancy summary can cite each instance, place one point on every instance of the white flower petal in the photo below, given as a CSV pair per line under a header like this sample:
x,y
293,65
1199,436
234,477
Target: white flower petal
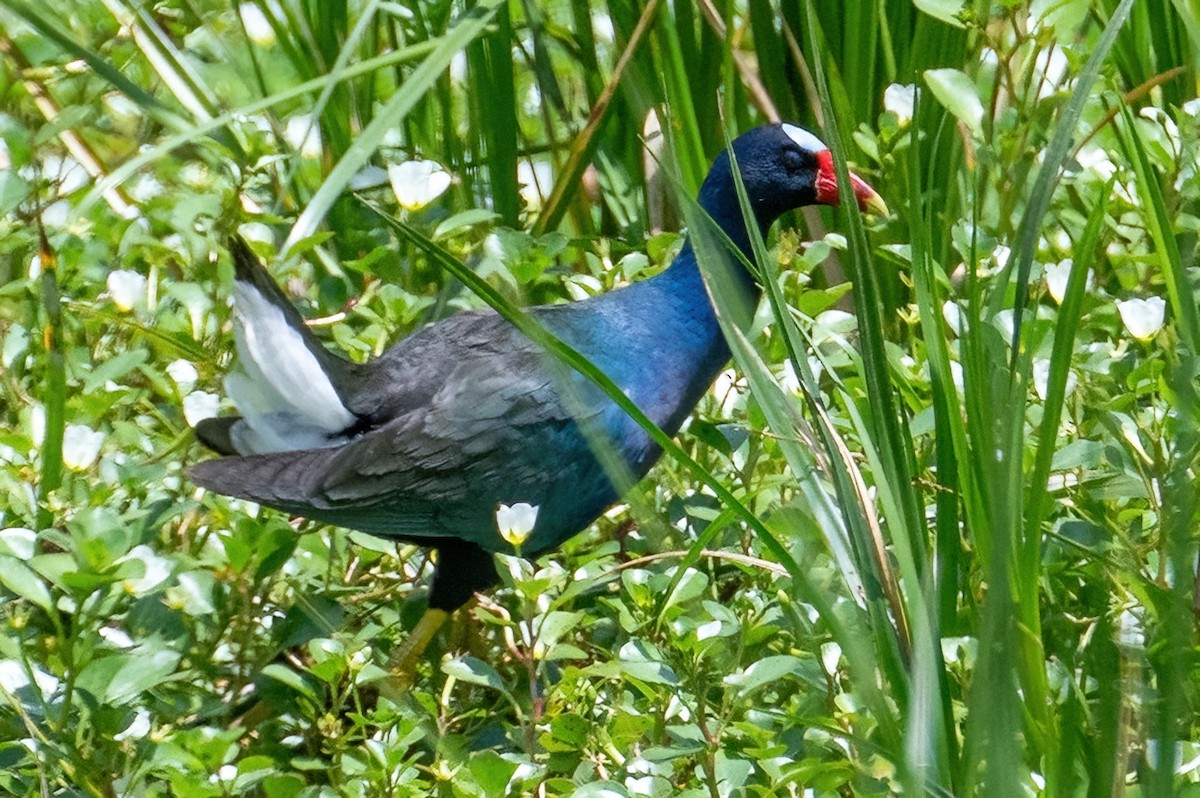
x,y
1096,160
127,289
898,98
1143,317
833,325
536,178
1001,254
81,446
199,405
1041,379
418,183
516,522
156,569
183,373
1057,275
258,28
138,728
953,314
304,135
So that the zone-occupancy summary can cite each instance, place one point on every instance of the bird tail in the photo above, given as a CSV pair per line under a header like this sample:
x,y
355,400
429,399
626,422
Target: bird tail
x,y
289,389
283,481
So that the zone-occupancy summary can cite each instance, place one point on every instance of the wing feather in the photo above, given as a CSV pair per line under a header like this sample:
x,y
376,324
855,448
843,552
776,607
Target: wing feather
x,y
466,428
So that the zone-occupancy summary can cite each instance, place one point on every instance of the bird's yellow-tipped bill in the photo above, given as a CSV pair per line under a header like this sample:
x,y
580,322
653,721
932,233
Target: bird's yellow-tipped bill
x,y
829,193
869,200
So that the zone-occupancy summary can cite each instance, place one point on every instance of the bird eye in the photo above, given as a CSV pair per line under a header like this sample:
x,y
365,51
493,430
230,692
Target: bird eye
x,y
793,161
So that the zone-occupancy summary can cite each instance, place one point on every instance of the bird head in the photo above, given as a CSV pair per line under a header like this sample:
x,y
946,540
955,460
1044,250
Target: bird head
x,y
783,167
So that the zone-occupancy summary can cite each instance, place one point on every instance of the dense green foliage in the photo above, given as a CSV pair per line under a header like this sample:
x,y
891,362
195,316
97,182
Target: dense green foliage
x,y
943,544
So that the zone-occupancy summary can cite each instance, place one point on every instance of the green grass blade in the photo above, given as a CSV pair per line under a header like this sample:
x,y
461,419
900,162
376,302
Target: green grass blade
x,y
470,26
567,181
1065,329
1180,294
491,62
1043,188
54,32
55,382
194,131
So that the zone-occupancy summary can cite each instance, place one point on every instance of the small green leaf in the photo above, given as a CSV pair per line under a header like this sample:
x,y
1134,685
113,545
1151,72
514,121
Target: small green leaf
x,y
475,217
555,624
288,677
1078,454
473,671
492,772
763,672
947,11
114,369
600,789
691,585
21,580
957,92
641,661
570,728
121,678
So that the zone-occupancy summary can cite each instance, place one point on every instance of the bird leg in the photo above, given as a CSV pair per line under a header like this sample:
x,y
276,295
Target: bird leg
x,y
462,569
402,664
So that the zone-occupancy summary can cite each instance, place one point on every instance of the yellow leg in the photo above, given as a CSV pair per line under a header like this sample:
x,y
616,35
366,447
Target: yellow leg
x,y
402,664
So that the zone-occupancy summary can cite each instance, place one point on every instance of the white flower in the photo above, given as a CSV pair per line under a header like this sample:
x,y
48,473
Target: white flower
x,y
14,677
643,785
68,173
1001,254
81,446
1168,125
368,177
516,522
138,728
459,71
833,325
304,135
155,570
199,405
536,178
127,288
1096,160
1041,378
956,375
1058,274
1130,633
1143,317
145,188
831,655
116,637
898,98
1055,70
258,28
418,183
953,314
183,373
729,390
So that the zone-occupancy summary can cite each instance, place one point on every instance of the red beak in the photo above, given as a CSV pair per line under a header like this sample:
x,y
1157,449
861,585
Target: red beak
x,y
829,193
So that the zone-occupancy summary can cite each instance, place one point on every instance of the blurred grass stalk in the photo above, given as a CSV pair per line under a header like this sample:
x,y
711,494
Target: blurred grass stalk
x,y
54,400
